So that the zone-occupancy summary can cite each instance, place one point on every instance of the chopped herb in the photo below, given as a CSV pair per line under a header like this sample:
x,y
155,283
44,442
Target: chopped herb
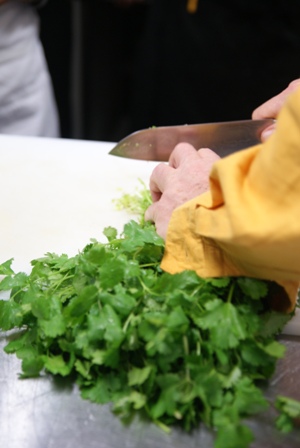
x,y
135,203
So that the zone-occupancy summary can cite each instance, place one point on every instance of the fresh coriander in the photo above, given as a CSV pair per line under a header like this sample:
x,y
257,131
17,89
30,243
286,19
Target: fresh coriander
x,y
177,347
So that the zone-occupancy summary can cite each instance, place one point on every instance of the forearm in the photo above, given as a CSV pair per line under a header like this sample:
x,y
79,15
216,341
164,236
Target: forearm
x,y
248,224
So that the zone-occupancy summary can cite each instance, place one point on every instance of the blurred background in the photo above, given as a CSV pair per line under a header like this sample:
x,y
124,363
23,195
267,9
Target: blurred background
x,y
122,65
90,46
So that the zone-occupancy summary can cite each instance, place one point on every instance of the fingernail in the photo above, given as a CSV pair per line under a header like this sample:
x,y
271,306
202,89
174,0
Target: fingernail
x,y
266,134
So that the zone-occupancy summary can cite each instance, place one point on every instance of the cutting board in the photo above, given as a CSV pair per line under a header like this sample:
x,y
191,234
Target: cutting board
x,y
57,194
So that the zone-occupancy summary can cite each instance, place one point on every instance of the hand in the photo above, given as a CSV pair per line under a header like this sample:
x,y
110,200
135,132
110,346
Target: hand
x,y
186,177
272,107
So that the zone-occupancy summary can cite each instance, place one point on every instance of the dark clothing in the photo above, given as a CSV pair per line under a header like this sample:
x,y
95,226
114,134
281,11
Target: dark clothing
x,y
215,65
154,64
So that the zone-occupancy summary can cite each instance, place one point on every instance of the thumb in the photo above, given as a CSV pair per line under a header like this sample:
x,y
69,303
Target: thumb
x,y
266,133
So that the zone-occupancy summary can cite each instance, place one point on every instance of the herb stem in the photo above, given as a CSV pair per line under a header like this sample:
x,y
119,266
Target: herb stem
x,y
230,294
149,265
162,426
127,322
66,277
186,350
12,297
145,288
185,345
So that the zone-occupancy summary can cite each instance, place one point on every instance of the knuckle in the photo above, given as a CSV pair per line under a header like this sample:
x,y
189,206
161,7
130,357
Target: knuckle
x,y
158,170
208,154
181,151
294,84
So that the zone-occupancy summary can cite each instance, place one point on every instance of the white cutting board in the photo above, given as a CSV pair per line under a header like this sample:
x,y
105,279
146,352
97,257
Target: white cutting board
x,y
57,194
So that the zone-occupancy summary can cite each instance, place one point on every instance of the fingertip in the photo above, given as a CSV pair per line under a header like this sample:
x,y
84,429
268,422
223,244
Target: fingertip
x,y
267,133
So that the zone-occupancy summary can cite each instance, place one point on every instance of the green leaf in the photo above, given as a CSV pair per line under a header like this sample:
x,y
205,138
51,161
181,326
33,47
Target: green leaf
x,y
184,281
43,306
103,389
111,233
177,319
11,315
5,268
167,401
107,326
53,327
232,378
233,436
135,399
274,349
82,303
220,282
23,343
83,368
284,423
209,387
253,288
99,393
122,302
18,280
136,236
253,354
226,324
288,405
14,345
32,366
248,398
272,323
57,365
112,272
289,411
138,376
96,255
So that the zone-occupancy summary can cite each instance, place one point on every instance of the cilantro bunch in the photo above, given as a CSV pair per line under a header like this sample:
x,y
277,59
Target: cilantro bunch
x,y
178,348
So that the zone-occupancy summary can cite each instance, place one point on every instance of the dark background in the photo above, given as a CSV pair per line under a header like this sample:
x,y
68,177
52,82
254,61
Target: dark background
x,y
56,38
116,69
90,59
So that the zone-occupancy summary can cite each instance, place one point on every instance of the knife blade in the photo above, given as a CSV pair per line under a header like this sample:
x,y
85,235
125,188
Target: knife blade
x,y
224,138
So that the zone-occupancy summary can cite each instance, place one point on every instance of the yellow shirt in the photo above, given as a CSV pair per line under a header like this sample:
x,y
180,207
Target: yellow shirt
x,y
249,222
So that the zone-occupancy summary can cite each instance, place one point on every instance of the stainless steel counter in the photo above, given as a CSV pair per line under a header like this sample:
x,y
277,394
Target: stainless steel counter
x,y
46,413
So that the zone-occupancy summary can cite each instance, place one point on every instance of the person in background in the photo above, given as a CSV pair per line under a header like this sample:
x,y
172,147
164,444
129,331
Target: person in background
x,y
237,216
27,103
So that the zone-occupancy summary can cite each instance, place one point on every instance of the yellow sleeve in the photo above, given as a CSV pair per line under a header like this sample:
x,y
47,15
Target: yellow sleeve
x,y
249,222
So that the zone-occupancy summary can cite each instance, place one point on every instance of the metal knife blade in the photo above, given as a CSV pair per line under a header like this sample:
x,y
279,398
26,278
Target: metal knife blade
x,y
224,138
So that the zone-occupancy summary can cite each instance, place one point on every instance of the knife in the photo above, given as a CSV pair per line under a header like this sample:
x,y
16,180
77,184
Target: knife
x,y
224,138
